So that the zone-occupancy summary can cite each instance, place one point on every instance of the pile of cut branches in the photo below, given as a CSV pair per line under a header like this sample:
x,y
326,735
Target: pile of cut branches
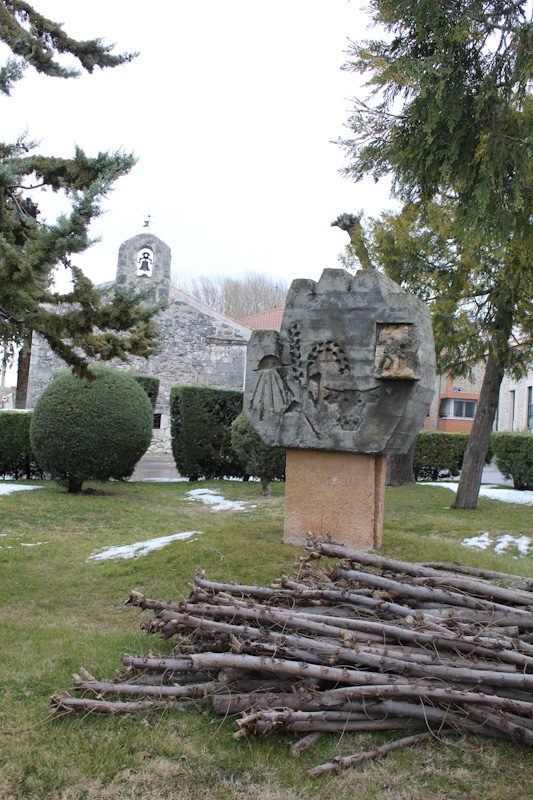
x,y
363,643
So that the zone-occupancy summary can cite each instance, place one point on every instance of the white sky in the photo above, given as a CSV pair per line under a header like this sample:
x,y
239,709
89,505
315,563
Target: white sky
x,y
231,108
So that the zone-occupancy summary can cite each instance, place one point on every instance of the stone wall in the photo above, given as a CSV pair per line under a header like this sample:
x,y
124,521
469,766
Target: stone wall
x,y
197,345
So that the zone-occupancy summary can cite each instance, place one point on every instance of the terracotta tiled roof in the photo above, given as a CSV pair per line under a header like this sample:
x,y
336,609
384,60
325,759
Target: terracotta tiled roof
x,y
264,320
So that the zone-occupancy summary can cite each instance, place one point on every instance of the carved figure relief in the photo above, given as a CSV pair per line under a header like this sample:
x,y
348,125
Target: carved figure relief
x,y
397,352
336,378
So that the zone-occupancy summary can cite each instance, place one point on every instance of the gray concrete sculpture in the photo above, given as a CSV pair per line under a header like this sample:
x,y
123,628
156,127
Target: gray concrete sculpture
x,y
352,369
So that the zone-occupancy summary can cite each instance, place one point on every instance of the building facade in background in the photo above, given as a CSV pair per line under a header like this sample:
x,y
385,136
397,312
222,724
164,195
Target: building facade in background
x,y
197,345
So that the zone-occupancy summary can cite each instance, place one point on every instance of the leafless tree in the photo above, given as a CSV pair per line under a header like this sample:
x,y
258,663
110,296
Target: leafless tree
x,y
237,296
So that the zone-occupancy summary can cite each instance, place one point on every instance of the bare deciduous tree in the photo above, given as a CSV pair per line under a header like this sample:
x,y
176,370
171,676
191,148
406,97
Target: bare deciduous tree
x,y
237,296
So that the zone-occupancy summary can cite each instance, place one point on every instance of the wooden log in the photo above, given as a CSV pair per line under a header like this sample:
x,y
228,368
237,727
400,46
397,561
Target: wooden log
x,y
264,728
64,703
343,762
325,628
360,656
463,569
190,690
304,744
336,698
372,604
417,592
418,570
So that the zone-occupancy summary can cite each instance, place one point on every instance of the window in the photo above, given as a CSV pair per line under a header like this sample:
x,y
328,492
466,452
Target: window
x,y
450,408
529,409
157,421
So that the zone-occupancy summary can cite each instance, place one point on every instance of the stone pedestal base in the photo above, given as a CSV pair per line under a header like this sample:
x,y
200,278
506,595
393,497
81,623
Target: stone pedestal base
x,y
334,494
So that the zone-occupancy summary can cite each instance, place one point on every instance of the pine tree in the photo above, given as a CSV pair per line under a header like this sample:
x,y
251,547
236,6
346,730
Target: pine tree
x,y
450,118
83,323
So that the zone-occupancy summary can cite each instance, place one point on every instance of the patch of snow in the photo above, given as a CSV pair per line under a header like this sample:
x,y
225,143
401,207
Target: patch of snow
x,y
139,548
522,543
31,544
500,543
213,498
480,542
492,492
7,488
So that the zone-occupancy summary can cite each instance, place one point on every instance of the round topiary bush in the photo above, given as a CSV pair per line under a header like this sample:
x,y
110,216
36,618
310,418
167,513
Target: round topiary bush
x,y
96,427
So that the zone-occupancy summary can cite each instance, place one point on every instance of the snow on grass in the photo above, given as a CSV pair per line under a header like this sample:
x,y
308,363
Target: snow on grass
x,y
139,548
481,542
492,492
31,544
213,498
500,543
7,488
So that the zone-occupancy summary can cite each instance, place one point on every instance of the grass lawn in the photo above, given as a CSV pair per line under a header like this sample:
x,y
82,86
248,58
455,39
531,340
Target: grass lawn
x,y
60,612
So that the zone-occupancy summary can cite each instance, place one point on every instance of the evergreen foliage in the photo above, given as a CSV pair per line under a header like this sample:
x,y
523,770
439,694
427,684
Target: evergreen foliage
x,y
150,384
17,458
438,455
37,41
94,427
450,118
201,420
82,323
514,457
260,459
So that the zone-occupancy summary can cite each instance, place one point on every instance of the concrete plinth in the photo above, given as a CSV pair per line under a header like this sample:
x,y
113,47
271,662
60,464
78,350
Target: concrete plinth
x,y
335,494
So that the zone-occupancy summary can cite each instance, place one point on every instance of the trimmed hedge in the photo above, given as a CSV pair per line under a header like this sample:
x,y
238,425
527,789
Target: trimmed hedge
x,y
260,459
17,458
149,383
201,420
439,454
95,427
514,457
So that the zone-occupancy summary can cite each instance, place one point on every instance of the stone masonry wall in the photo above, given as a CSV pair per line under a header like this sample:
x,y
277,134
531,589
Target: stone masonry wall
x,y
197,346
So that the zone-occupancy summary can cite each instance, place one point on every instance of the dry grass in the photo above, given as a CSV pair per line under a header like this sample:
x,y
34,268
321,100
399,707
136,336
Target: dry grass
x,y
60,612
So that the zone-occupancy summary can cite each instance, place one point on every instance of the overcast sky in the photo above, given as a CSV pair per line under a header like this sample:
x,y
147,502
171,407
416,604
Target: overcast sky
x,y
231,108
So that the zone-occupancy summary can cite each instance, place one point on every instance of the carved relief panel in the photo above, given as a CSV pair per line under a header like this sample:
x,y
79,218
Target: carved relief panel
x,y
352,368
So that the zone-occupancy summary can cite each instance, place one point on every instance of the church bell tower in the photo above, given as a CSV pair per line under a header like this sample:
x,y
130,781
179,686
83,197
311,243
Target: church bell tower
x,y
145,260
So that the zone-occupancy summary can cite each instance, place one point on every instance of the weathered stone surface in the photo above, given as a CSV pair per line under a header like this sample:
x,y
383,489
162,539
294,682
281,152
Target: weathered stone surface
x,y
352,369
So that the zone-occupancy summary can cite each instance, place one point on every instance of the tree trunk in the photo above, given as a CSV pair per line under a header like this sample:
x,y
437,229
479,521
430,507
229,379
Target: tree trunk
x,y
478,442
74,485
23,372
266,490
400,468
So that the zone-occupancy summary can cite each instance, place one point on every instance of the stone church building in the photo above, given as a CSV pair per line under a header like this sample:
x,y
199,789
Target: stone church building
x,y
197,344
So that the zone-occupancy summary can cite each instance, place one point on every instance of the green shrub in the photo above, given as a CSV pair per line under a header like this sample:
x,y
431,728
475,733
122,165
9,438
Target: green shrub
x,y
514,457
201,420
439,454
17,458
149,384
268,463
95,427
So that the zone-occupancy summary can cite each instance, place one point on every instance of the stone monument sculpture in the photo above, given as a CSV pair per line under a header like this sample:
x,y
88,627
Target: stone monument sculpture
x,y
348,379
